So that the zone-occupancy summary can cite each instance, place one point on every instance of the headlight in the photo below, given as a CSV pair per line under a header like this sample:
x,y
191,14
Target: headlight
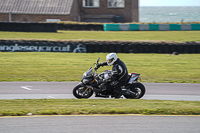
x,y
85,81
85,74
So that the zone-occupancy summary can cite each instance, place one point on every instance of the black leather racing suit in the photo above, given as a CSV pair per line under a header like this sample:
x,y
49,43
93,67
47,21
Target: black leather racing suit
x,y
118,78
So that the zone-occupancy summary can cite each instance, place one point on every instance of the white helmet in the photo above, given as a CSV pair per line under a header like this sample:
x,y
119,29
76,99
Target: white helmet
x,y
111,58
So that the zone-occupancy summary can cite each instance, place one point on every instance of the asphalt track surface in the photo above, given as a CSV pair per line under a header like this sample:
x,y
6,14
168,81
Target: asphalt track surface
x,y
101,124
62,90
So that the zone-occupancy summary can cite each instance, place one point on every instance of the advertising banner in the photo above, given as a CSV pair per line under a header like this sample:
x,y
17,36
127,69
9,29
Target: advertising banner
x,y
42,47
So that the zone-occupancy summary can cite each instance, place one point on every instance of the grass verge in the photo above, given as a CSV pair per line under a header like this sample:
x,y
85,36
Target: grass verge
x,y
108,35
49,66
97,106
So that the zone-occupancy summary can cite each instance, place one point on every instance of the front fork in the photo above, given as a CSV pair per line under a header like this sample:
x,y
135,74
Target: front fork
x,y
91,86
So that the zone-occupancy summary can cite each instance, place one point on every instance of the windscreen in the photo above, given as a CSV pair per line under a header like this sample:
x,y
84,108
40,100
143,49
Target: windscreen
x,y
88,73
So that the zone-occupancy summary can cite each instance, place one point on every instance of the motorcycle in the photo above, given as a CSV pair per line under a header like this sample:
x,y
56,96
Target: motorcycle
x,y
89,85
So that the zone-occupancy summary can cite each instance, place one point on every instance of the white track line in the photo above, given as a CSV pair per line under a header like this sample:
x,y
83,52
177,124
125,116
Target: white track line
x,y
26,88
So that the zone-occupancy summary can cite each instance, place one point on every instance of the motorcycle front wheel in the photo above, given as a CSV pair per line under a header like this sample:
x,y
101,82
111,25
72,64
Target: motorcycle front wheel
x,y
81,91
138,89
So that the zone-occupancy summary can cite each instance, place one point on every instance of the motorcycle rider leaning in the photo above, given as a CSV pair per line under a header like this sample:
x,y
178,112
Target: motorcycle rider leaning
x,y
118,78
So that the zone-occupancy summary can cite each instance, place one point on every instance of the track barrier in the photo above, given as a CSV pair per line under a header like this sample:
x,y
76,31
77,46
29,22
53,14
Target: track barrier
x,y
151,27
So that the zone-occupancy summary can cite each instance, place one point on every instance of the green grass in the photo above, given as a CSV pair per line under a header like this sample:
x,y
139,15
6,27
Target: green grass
x,y
97,106
49,66
108,35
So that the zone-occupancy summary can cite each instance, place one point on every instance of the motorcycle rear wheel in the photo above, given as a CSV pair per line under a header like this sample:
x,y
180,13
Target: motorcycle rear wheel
x,y
137,88
81,91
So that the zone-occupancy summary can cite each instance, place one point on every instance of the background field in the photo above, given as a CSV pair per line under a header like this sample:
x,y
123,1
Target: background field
x,y
108,35
46,66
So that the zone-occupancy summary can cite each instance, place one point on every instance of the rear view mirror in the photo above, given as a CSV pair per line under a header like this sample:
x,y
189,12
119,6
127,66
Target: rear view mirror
x,y
98,60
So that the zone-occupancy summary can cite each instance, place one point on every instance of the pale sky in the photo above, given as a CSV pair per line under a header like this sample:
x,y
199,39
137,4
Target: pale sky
x,y
169,3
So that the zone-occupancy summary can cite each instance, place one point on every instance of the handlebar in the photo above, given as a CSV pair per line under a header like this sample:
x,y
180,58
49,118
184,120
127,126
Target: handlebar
x,y
95,67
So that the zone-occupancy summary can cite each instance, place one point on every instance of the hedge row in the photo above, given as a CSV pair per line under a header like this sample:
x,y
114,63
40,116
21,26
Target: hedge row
x,y
28,27
114,46
47,27
88,27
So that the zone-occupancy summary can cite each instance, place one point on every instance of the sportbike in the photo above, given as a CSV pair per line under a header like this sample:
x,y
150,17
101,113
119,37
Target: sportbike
x,y
133,89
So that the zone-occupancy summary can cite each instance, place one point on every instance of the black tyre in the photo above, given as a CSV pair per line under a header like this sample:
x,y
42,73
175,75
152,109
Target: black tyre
x,y
81,91
137,88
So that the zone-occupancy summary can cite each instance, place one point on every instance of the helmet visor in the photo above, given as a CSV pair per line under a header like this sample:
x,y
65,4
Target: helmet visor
x,y
110,61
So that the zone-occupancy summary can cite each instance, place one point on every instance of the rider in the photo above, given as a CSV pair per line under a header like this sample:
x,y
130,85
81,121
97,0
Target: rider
x,y
118,78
